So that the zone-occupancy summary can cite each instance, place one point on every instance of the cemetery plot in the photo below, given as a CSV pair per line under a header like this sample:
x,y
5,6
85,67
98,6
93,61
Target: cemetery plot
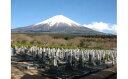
x,y
63,63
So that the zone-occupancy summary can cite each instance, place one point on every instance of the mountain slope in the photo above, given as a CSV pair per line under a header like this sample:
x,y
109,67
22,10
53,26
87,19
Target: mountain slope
x,y
57,24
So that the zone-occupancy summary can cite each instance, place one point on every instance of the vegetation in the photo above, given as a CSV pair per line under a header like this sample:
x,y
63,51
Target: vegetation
x,y
64,41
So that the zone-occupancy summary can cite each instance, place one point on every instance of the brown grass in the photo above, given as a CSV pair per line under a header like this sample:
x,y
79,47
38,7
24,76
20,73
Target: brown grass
x,y
50,40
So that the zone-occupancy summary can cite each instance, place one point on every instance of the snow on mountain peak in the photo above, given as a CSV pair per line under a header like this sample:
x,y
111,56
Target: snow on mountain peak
x,y
58,19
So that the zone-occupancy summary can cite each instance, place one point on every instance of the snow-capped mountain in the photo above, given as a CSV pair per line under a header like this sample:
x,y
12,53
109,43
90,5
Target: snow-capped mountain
x,y
57,24
56,20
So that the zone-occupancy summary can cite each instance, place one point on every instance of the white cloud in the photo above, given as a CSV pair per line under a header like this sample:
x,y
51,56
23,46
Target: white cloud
x,y
101,26
114,28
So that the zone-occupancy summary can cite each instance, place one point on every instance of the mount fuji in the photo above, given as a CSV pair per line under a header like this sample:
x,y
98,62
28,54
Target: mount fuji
x,y
57,24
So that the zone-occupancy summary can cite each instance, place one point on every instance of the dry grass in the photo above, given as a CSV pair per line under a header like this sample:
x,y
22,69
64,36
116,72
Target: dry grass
x,y
52,40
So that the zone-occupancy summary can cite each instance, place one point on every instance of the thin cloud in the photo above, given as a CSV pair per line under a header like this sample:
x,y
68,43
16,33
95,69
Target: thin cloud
x,y
101,26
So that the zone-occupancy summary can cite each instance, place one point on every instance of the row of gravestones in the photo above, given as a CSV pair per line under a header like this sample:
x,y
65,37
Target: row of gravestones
x,y
70,57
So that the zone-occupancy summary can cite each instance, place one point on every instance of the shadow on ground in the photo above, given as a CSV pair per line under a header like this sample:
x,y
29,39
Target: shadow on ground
x,y
97,75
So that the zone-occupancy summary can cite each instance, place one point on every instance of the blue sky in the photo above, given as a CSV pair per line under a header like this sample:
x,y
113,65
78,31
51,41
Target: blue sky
x,y
85,12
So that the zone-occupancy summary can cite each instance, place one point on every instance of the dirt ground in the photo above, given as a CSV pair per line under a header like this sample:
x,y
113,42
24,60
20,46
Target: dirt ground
x,y
109,73
17,73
